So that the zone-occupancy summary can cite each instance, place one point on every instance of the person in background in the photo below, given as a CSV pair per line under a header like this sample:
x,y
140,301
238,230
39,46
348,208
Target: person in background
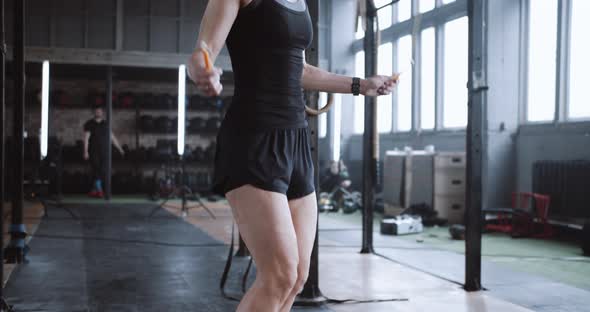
x,y
96,140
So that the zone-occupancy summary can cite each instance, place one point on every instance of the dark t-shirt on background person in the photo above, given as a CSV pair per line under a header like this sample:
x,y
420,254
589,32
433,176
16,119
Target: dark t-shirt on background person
x,y
99,137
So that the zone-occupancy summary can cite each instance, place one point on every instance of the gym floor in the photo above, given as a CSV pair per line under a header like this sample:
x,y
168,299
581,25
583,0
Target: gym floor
x,y
116,258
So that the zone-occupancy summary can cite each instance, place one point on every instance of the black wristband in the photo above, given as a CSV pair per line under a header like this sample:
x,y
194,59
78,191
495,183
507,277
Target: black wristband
x,y
355,88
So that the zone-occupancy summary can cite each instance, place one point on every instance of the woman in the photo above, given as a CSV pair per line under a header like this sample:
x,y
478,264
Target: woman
x,y
263,163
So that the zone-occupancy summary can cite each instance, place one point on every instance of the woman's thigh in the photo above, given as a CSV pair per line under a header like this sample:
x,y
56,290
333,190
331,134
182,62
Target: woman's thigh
x,y
264,221
304,214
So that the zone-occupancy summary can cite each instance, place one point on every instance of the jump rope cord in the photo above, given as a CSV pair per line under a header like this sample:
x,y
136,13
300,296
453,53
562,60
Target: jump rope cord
x,y
227,269
228,264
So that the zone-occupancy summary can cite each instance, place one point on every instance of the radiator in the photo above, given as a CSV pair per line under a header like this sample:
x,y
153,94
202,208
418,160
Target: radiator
x,y
567,182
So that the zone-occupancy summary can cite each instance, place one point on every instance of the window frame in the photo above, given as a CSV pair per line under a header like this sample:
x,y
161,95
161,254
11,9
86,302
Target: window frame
x,y
436,18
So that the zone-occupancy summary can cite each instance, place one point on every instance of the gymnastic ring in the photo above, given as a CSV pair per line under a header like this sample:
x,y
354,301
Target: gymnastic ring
x,y
326,108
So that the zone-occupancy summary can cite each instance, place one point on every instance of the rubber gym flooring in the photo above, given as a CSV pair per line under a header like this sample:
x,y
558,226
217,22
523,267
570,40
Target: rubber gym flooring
x,y
116,258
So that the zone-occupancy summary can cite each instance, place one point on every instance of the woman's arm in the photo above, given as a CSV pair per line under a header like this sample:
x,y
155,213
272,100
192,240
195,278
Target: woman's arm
x,y
215,26
318,79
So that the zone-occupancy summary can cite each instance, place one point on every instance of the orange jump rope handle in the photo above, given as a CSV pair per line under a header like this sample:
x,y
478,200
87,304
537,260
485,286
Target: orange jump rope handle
x,y
206,56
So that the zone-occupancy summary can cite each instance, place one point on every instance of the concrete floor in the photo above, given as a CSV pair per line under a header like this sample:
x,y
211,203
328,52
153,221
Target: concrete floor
x,y
116,259
346,274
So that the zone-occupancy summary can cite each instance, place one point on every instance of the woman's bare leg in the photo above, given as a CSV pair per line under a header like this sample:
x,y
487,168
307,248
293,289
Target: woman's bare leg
x,y
304,213
264,221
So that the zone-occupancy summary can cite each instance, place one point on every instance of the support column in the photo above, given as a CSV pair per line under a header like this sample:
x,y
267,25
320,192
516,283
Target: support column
x,y
15,252
476,141
311,294
371,135
2,135
109,102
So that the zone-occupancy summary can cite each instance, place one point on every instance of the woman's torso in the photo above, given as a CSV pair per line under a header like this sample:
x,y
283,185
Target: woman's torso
x,y
266,46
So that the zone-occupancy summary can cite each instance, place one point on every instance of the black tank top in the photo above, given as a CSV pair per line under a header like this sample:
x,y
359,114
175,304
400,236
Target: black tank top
x,y
266,46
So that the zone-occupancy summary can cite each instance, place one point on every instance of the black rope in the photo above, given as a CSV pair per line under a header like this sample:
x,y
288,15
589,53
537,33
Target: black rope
x,y
127,241
386,5
4,306
418,269
355,301
328,300
227,268
245,277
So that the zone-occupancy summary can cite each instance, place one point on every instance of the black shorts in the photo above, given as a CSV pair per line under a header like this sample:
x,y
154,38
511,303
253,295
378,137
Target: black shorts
x,y
277,160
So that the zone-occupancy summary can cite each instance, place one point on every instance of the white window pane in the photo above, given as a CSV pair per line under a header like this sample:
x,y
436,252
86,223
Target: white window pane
x,y
385,61
385,103
428,79
579,106
404,89
323,118
449,1
542,60
426,5
360,33
337,130
404,10
359,101
385,15
455,74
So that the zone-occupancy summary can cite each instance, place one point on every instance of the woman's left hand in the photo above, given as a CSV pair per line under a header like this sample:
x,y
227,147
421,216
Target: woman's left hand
x,y
378,85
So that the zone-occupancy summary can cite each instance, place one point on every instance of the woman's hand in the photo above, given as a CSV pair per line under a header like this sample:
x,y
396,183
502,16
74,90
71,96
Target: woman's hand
x,y
378,85
207,81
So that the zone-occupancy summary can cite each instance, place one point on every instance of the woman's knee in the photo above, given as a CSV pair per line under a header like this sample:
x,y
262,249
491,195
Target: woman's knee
x,y
302,275
281,279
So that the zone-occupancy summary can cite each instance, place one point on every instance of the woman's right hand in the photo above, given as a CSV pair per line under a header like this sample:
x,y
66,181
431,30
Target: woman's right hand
x,y
207,81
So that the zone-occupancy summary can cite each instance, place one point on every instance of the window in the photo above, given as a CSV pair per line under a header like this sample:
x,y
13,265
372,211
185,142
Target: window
x,y
385,15
404,89
323,118
428,78
455,74
404,10
385,103
542,53
360,32
438,97
579,106
359,101
426,5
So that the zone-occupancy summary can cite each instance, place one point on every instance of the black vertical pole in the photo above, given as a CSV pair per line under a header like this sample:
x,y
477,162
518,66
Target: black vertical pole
x,y
370,135
15,252
109,101
137,118
2,123
476,141
311,294
242,248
